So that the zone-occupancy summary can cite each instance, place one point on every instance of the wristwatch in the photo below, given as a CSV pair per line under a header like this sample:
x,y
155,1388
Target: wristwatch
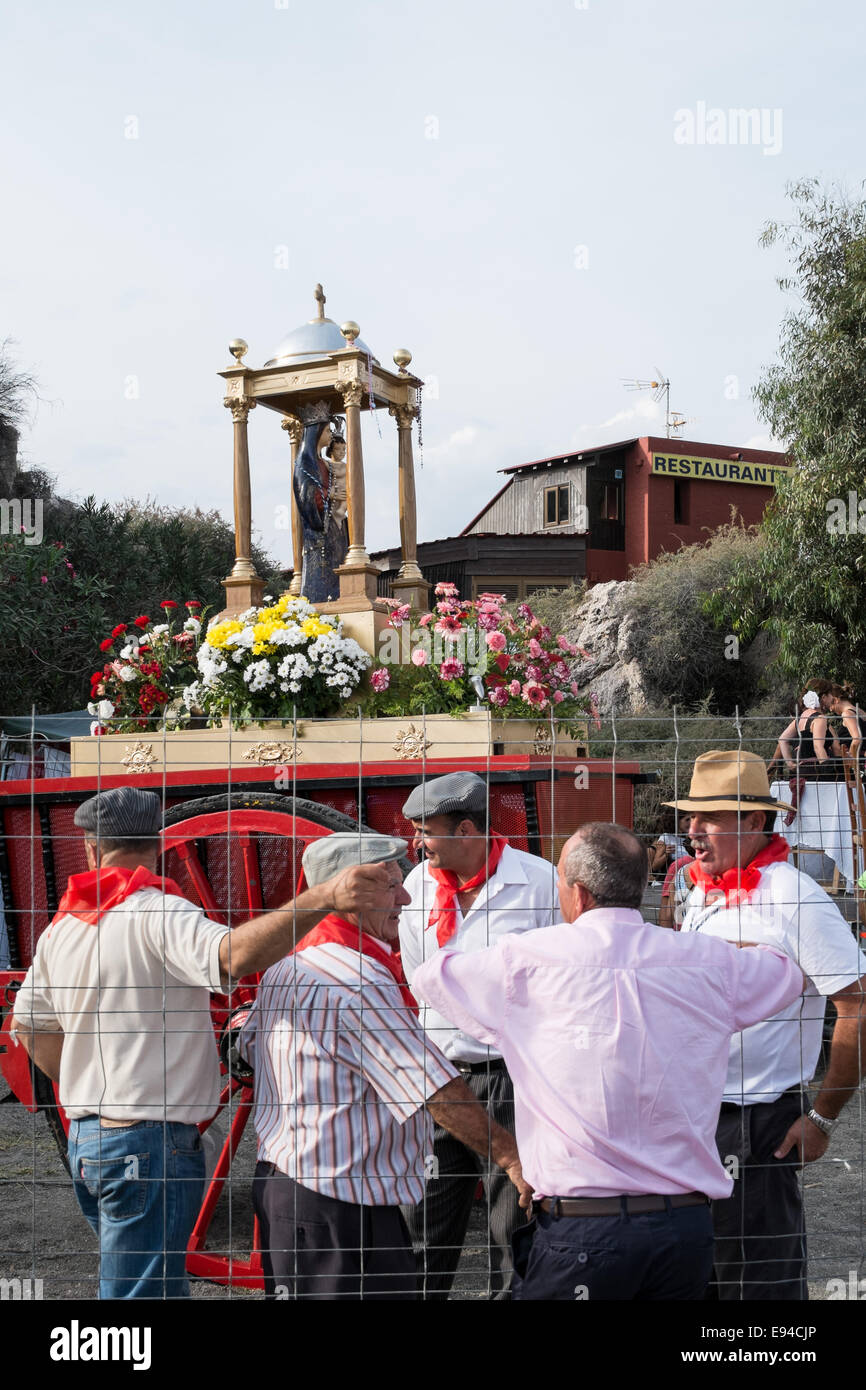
x,y
826,1126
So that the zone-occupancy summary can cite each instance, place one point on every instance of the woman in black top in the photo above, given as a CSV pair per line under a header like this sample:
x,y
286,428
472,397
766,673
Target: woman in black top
x,y
804,745
839,701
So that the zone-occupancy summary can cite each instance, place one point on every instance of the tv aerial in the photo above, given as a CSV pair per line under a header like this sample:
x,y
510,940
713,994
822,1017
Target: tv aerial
x,y
661,390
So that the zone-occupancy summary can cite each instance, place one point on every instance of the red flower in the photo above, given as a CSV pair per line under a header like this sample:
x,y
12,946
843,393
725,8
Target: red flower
x,y
168,603
503,661
97,676
119,630
142,621
192,603
106,645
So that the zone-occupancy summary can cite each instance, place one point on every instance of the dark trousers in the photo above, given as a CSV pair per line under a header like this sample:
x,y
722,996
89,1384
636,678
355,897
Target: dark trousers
x,y
438,1224
317,1247
647,1257
760,1229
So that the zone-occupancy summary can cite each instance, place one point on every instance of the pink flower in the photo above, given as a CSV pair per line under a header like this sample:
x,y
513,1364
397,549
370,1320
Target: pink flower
x,y
574,687
498,695
451,668
420,657
514,688
534,694
534,673
564,643
560,670
558,697
526,612
489,619
450,628
497,599
496,641
44,579
398,615
427,618
443,588
545,634
535,648
380,679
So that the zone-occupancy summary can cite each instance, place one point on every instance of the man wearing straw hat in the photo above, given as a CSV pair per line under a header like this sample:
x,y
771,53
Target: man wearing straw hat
x,y
745,889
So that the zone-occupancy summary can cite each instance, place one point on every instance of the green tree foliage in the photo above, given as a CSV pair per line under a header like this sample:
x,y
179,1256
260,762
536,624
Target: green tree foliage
x,y
96,565
806,584
684,654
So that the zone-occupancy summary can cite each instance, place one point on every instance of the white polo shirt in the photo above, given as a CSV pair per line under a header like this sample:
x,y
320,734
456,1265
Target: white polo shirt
x,y
520,896
790,911
131,996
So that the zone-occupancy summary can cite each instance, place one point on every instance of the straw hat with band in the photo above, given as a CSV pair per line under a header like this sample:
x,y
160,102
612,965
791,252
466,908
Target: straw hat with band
x,y
729,780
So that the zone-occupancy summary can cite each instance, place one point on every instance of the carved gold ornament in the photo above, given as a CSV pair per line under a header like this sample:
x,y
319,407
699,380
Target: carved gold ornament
x,y
139,756
411,743
271,752
543,739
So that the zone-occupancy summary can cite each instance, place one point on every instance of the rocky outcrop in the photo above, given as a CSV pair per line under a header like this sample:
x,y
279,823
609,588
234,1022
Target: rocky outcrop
x,y
612,637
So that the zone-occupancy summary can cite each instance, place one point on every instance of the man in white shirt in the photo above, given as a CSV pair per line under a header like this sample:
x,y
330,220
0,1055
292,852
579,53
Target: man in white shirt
x,y
471,889
116,1007
346,1083
768,1128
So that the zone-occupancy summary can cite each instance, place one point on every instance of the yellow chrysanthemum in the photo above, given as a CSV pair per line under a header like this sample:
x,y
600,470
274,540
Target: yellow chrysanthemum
x,y
217,635
314,627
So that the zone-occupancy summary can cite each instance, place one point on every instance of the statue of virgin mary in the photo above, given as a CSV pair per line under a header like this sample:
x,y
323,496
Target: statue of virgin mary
x,y
320,494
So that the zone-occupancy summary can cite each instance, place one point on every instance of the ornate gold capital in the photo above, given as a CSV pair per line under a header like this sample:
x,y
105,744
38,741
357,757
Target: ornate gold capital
x,y
240,407
294,426
404,415
351,391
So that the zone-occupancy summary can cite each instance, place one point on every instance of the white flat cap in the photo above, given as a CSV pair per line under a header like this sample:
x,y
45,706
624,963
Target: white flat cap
x,y
445,796
332,853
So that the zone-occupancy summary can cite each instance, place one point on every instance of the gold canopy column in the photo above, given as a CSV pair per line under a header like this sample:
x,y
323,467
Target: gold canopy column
x,y
358,577
410,586
296,433
243,587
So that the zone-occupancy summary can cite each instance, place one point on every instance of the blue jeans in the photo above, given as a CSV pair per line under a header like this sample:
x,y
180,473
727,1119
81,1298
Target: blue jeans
x,y
655,1255
140,1187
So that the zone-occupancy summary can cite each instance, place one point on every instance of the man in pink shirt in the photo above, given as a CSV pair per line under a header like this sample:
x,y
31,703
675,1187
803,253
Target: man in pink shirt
x,y
616,1034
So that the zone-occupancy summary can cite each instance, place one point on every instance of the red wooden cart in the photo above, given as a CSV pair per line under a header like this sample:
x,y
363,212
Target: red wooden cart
x,y
235,845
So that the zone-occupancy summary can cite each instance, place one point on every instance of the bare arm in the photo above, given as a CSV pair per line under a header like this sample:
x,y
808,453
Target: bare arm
x,y
784,744
847,1054
44,1048
456,1109
257,944
819,734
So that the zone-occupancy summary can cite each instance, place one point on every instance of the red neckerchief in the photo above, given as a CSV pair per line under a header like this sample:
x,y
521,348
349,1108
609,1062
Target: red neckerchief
x,y
88,896
444,912
738,884
334,928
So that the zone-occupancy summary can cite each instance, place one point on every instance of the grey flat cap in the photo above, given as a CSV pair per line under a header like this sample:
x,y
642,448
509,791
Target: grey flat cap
x,y
332,853
445,796
124,813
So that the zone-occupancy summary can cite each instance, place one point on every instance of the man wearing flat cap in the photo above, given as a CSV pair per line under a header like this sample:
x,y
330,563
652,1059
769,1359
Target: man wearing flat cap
x,y
472,888
115,1006
745,888
346,1082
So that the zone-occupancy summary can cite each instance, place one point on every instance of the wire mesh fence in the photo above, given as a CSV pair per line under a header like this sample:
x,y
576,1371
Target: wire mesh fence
x,y
316,1117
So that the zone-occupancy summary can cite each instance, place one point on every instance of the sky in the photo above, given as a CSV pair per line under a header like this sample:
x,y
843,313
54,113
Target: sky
x,y
537,200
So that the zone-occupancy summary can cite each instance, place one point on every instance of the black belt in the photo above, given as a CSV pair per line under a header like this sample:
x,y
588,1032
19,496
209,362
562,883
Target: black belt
x,y
614,1206
473,1068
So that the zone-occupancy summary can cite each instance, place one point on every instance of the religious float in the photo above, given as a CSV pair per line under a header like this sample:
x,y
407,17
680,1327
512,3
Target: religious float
x,y
293,715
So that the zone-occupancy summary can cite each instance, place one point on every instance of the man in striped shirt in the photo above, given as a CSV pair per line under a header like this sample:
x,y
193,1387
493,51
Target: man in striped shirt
x,y
346,1084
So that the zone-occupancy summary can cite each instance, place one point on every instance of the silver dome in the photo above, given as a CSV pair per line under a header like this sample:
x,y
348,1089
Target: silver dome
x,y
314,339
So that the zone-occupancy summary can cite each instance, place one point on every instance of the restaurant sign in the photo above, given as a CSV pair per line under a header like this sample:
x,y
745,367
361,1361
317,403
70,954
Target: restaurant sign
x,y
716,470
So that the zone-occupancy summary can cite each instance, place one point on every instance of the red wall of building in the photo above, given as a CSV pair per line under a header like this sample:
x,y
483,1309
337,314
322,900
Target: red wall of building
x,y
649,504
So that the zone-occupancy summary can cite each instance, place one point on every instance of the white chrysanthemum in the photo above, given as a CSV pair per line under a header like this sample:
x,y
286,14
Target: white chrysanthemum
x,y
159,630
192,625
127,673
259,675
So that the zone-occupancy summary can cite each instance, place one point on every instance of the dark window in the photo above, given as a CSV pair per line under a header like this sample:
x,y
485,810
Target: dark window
x,y
681,503
610,502
556,505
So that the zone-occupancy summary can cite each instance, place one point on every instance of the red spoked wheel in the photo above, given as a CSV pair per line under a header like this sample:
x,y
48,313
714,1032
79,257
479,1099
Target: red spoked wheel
x,y
238,856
